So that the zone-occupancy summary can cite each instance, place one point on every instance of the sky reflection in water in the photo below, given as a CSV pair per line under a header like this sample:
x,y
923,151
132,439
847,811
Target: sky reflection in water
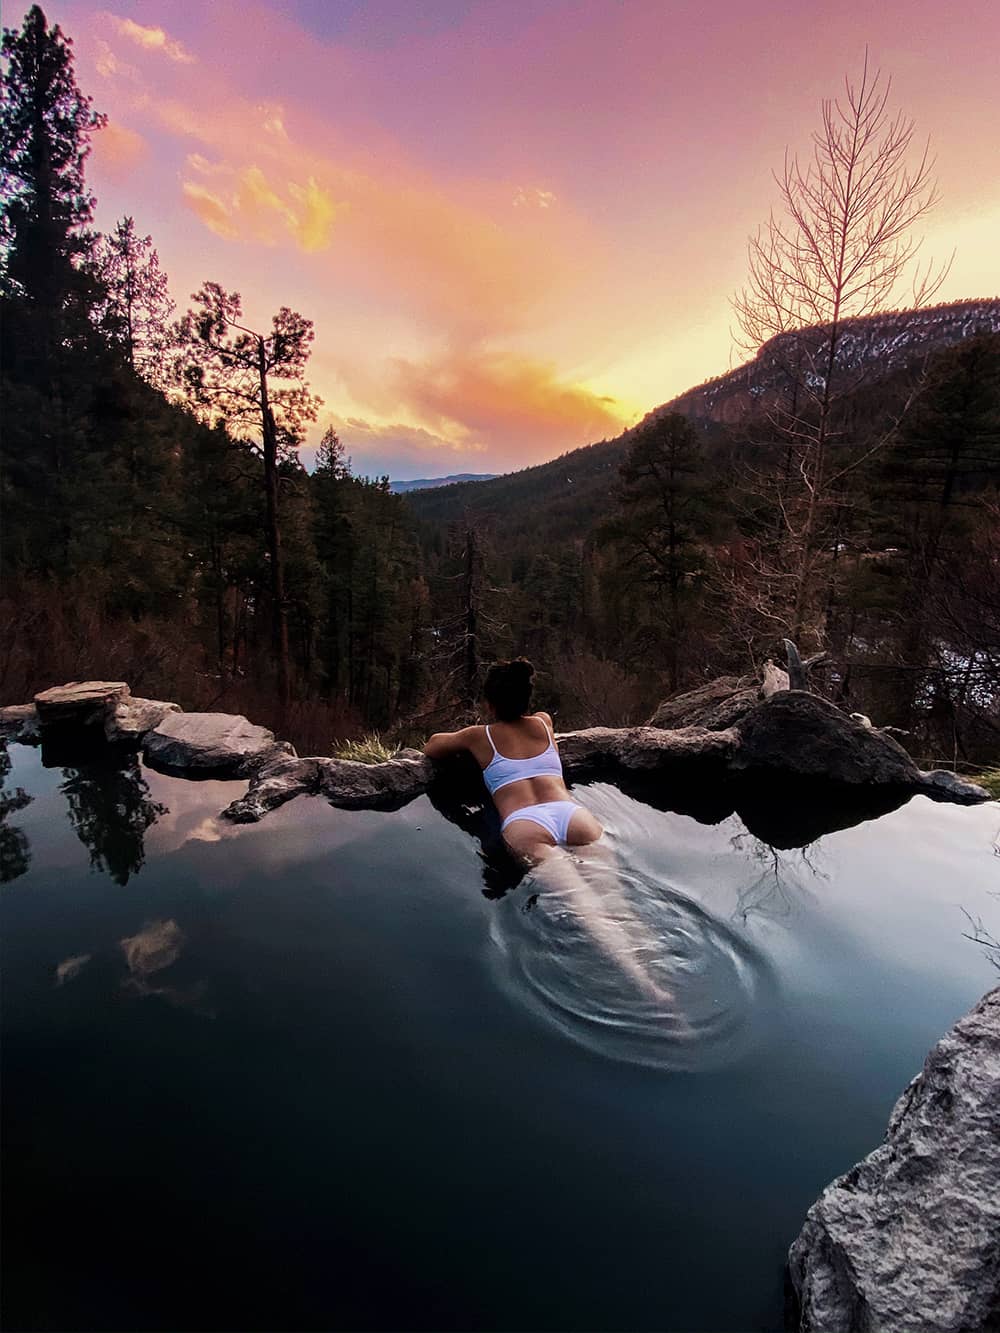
x,y
364,1076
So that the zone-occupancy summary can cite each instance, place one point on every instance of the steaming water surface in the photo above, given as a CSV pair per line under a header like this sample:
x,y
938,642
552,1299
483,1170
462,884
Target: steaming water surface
x,y
320,1072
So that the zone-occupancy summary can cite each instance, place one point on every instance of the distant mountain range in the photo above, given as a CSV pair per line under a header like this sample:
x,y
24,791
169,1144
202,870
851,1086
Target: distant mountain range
x,y
429,483
568,492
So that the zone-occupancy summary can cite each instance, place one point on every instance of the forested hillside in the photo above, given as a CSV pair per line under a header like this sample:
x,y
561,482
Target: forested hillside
x,y
159,527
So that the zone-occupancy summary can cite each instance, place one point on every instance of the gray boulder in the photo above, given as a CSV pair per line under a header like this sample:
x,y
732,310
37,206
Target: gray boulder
x,y
211,744
717,705
909,1239
19,722
940,785
80,703
130,718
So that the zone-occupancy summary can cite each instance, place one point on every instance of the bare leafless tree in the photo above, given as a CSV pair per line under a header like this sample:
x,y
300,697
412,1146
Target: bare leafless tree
x,y
841,245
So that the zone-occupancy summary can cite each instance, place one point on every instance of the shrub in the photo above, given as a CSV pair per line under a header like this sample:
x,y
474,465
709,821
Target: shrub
x,y
370,749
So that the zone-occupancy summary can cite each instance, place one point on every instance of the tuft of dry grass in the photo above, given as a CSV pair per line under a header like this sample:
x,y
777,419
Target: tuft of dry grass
x,y
370,749
991,781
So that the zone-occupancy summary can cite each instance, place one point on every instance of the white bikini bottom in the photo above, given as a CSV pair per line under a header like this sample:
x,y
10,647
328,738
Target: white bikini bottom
x,y
552,816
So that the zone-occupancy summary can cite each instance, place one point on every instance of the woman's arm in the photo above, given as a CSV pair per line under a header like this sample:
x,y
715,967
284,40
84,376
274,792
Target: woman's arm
x,y
444,743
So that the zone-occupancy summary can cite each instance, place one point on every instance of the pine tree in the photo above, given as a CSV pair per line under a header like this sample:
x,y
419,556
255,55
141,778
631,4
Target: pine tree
x,y
137,305
47,291
257,381
46,123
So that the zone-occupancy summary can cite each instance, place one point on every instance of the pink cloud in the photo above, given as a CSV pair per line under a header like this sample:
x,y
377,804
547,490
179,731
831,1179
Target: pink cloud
x,y
152,39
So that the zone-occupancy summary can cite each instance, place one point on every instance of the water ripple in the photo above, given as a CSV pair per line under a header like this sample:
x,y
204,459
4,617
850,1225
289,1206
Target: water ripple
x,y
632,968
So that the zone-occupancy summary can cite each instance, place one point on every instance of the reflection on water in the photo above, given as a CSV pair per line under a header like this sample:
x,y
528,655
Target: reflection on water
x,y
321,1051
151,952
15,854
459,795
779,886
110,808
71,967
630,967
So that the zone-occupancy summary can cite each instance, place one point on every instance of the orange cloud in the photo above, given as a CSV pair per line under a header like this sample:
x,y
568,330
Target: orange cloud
x,y
152,39
246,206
481,395
316,216
118,151
212,210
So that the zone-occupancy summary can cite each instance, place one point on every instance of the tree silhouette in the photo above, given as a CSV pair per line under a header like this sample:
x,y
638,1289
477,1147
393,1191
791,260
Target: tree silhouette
x,y
15,854
110,809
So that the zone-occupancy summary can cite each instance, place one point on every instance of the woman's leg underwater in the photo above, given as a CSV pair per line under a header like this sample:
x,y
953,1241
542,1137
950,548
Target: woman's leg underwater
x,y
590,874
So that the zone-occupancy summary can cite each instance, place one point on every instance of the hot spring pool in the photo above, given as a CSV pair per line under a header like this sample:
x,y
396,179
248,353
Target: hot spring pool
x,y
322,1072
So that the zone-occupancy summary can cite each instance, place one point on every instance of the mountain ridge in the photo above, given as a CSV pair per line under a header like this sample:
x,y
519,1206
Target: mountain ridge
x,y
889,340
429,483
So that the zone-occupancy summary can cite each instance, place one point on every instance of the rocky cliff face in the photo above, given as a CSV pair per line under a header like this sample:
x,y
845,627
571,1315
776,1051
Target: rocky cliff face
x,y
910,1237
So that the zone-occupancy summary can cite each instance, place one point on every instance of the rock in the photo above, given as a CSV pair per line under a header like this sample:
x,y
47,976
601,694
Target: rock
x,y
130,718
776,680
603,749
910,1237
211,744
80,703
805,735
716,705
940,785
387,786
281,778
19,722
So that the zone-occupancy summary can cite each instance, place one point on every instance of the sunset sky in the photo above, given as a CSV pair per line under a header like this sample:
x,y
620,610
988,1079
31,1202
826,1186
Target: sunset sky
x,y
516,224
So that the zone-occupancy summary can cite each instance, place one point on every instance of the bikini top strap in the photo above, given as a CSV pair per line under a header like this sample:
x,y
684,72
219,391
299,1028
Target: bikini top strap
x,y
550,736
489,737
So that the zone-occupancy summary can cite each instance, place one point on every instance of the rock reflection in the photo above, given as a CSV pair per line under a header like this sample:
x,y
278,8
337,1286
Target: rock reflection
x,y
151,952
15,851
110,808
71,967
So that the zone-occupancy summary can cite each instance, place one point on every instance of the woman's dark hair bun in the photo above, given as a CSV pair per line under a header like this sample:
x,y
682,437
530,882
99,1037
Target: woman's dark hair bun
x,y
508,688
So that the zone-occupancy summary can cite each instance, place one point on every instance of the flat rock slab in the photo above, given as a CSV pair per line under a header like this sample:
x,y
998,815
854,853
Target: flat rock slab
x,y
910,1237
130,718
220,744
80,703
643,748
19,722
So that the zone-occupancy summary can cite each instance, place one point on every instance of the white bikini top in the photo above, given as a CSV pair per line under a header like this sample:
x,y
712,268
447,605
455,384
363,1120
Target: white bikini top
x,y
500,770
